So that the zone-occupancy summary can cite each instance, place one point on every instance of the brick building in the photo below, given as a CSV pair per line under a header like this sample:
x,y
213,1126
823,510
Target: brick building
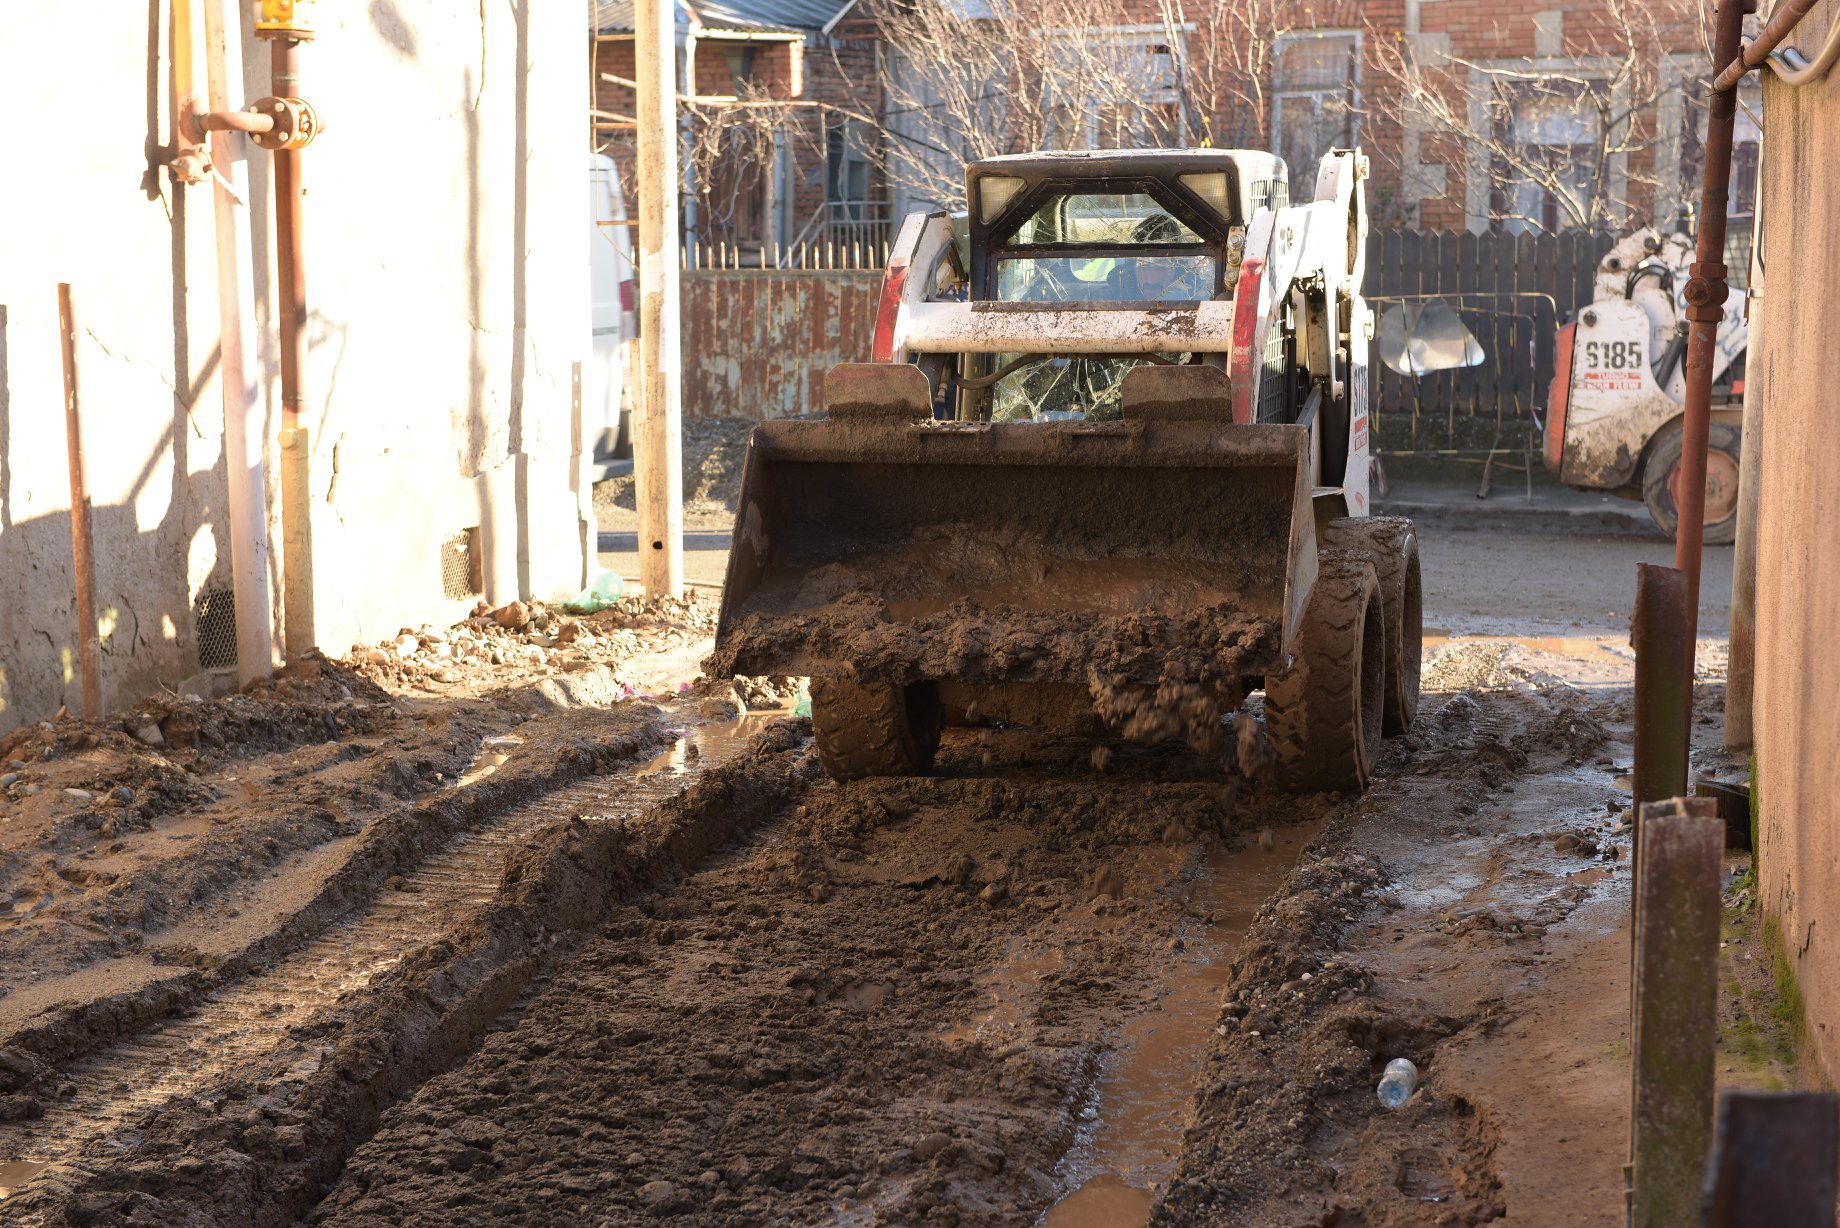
x,y
779,136
1517,114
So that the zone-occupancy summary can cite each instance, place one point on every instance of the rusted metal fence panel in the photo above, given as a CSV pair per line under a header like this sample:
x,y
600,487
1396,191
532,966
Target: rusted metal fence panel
x,y
757,342
758,338
1513,292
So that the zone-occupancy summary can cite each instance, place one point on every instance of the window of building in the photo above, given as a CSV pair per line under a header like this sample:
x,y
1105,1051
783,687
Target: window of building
x,y
1746,143
1552,127
1315,97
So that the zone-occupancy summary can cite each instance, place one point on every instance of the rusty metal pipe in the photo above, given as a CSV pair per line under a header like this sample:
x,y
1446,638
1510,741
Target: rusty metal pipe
x,y
236,121
1705,293
1782,22
291,293
82,546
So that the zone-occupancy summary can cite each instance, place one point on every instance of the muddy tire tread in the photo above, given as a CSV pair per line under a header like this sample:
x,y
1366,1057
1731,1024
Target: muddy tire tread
x,y
1390,543
1313,711
866,729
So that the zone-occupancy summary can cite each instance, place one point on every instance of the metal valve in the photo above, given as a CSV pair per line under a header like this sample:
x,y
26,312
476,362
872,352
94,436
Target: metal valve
x,y
295,123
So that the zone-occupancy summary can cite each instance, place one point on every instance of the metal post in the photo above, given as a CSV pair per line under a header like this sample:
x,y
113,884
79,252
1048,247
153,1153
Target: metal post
x,y
1705,294
291,291
1662,634
82,548
658,442
1673,1016
1772,1162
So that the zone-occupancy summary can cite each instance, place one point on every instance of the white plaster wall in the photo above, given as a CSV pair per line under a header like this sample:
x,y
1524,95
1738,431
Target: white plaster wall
x,y
1796,726
85,205
447,285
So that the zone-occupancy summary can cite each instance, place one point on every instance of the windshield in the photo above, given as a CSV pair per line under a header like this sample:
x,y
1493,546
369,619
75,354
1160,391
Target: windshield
x,y
1105,279
1141,253
1102,218
1108,222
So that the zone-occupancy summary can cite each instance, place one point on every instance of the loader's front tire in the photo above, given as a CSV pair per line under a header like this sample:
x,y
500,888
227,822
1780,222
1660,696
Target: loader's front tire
x,y
1661,481
874,728
1324,714
1390,543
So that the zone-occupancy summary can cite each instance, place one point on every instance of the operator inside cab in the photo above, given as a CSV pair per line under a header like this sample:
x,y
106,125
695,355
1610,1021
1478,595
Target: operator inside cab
x,y
1146,256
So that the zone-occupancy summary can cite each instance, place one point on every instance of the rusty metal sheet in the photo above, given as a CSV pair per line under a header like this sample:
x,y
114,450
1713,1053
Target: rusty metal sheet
x,y
1660,632
1773,1161
757,343
1674,1019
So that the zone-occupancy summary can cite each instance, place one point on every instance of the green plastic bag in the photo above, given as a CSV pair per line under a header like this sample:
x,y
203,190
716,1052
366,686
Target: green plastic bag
x,y
602,592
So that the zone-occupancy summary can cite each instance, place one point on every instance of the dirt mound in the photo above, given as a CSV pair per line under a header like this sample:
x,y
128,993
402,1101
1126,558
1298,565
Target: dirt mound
x,y
714,449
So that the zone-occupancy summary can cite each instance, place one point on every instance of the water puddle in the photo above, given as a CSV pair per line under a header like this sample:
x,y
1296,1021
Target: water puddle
x,y
492,755
15,1173
1006,991
1144,1090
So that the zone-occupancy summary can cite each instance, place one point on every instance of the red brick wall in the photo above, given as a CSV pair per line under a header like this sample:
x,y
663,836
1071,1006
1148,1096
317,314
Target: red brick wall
x,y
841,74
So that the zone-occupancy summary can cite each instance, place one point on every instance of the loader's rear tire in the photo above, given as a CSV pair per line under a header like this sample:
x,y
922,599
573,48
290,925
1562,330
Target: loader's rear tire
x,y
875,728
1390,543
1324,714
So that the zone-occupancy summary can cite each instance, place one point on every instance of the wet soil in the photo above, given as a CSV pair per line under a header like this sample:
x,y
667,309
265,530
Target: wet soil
x,y
714,449
561,956
894,1006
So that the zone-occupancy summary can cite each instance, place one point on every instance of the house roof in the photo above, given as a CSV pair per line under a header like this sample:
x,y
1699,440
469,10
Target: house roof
x,y
787,16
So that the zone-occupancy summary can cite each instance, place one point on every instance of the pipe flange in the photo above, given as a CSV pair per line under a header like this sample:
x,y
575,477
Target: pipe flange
x,y
296,123
1705,292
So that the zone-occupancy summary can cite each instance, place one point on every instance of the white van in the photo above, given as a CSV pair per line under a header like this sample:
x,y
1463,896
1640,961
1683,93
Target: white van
x,y
613,280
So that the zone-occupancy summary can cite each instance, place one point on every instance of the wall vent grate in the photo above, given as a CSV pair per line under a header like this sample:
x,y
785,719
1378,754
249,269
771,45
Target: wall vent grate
x,y
461,576
214,621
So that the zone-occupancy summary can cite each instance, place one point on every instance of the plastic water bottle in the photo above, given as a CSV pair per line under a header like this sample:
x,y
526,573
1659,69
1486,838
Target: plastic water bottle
x,y
1398,1082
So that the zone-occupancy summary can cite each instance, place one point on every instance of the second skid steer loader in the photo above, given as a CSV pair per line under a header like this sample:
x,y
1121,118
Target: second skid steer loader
x,y
1106,471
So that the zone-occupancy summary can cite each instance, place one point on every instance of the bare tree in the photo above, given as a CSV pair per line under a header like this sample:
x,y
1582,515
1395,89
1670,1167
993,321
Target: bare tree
x,y
970,79
1563,141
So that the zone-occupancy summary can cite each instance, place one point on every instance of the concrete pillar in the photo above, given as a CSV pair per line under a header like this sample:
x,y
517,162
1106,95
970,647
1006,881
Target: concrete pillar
x,y
1741,672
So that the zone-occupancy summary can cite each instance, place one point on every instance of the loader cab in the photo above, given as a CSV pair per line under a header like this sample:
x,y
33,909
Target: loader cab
x,y
1143,226
1141,229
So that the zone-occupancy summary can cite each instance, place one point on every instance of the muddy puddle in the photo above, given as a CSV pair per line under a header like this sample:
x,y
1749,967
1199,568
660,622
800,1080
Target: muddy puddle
x,y
15,1173
493,752
104,1092
1134,1125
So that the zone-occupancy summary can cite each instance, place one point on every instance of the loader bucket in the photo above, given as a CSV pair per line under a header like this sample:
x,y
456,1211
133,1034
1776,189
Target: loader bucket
x,y
882,541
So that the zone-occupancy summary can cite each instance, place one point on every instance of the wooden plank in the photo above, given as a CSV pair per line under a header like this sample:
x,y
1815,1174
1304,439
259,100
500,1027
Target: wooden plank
x,y
1488,320
1467,382
1449,255
1412,245
1543,321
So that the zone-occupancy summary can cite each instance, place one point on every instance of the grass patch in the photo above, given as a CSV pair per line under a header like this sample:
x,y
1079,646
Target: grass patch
x,y
1756,809
1788,1009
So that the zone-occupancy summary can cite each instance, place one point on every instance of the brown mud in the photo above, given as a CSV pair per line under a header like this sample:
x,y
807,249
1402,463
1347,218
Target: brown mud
x,y
1008,991
1148,674
891,1008
258,1141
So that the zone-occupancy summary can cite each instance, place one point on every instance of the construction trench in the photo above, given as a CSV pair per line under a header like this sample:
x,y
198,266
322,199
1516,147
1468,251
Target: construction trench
x,y
460,932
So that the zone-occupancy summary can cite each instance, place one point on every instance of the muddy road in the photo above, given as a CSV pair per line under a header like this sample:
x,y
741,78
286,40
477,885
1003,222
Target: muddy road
x,y
553,952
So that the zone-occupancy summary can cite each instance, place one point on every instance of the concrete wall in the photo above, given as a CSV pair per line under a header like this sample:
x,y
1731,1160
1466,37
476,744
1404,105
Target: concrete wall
x,y
447,286
1797,725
